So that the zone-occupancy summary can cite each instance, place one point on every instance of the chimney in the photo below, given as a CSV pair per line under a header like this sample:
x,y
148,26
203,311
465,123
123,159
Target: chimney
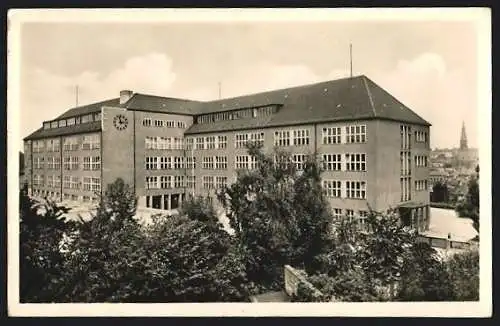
x,y
125,95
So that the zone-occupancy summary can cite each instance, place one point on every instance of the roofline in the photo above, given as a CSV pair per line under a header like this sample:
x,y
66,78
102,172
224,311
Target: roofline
x,y
154,111
312,122
64,134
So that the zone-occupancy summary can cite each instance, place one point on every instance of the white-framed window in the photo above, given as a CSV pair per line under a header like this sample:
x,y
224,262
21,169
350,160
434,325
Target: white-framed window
x,y
332,162
405,183
170,123
362,217
207,162
189,143
50,181
221,162
71,143
67,182
71,121
152,182
38,163
191,181
87,118
333,188
241,161
191,162
75,183
405,132
256,138
356,189
179,162
300,137
337,213
208,182
96,163
181,124
166,181
179,181
355,161
158,123
62,123
86,163
46,125
355,134
220,182
87,182
151,162
282,138
54,124
350,214
421,136
57,181
91,142
53,145
38,180
95,184
200,143
421,161
299,160
420,185
210,142
178,143
38,146
222,142
71,162
146,122
240,140
165,163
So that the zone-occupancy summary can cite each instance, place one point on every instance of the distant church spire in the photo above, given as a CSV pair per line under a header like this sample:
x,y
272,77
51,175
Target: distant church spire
x,y
463,137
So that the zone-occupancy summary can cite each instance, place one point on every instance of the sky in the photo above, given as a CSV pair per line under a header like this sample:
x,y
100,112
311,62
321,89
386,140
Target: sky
x,y
429,66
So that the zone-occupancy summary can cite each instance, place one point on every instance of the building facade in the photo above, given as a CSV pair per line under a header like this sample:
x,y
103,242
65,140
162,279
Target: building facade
x,y
374,150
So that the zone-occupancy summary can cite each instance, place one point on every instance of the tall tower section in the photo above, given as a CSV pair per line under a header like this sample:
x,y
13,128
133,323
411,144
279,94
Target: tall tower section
x,y
463,138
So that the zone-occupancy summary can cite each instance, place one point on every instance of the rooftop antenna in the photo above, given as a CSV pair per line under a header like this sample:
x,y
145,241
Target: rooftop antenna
x,y
350,56
220,87
76,94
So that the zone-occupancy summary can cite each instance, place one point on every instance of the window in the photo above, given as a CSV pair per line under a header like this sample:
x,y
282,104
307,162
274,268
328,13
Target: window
x,y
152,182
178,143
164,143
96,184
67,182
355,134
210,142
38,162
332,162
337,214
158,123
221,162
151,162
54,163
405,137
362,217
46,125
38,146
86,183
57,181
181,124
421,161
282,138
165,163
208,182
200,142
74,162
256,138
222,142
241,162
301,137
54,124
70,144
71,121
53,145
208,163
179,181
96,163
146,122
178,162
220,182
91,142
191,181
75,183
87,118
50,181
86,163
151,143
170,124
356,189
332,188
189,143
299,160
191,162
97,116
77,120
405,184
240,140
166,181
350,214
355,162
420,185
62,123
421,136
38,180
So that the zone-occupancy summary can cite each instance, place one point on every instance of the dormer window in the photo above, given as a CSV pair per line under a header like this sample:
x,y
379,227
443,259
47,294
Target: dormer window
x,y
62,123
77,120
46,125
53,124
71,121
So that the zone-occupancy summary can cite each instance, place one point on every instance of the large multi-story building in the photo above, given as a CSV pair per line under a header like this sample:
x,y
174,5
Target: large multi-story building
x,y
373,148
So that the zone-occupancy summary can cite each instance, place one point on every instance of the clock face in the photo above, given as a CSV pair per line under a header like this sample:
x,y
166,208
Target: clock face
x,y
120,122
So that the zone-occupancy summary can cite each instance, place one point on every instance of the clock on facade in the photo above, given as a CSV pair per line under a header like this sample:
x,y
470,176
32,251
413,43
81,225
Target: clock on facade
x,y
120,122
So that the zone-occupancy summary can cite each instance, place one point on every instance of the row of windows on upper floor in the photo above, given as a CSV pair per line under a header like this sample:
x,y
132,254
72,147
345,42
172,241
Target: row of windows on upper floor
x,y
235,115
70,143
406,133
159,123
70,163
86,118
69,182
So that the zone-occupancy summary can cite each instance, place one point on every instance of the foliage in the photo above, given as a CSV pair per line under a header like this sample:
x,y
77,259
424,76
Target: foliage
x,y
279,215
464,273
200,209
40,235
469,207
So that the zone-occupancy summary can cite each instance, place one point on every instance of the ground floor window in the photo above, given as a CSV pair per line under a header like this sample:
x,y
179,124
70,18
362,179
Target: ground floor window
x,y
156,202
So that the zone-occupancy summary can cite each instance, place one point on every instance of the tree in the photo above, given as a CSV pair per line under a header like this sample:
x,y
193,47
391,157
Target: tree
x,y
279,216
464,273
42,230
469,207
200,209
